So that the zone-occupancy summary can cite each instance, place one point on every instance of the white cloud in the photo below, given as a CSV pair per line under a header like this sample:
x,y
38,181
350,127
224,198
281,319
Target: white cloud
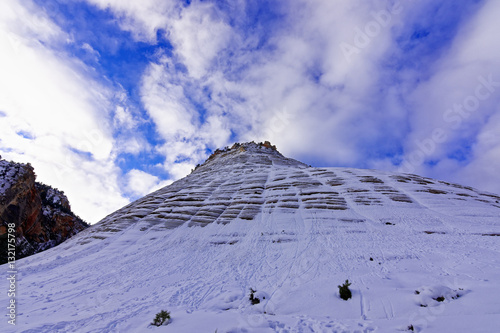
x,y
177,120
166,103
48,96
196,31
38,28
482,171
140,183
276,79
338,107
132,145
123,118
198,36
473,58
93,54
141,18
181,156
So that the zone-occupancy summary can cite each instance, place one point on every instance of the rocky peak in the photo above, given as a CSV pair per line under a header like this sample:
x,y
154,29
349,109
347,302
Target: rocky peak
x,y
41,214
248,153
247,146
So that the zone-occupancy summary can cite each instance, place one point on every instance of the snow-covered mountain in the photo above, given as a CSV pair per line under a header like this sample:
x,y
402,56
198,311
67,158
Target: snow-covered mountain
x,y
421,255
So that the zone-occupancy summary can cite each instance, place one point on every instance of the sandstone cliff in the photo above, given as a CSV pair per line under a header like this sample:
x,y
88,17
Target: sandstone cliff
x,y
42,215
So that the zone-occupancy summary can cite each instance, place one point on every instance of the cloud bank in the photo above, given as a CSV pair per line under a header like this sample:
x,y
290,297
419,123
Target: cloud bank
x,y
54,114
410,86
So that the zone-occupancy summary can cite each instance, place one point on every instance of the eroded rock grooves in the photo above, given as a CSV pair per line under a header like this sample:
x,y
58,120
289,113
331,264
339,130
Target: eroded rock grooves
x,y
249,179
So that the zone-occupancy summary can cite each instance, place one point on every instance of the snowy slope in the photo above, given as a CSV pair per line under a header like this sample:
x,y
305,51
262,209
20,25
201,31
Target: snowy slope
x,y
251,218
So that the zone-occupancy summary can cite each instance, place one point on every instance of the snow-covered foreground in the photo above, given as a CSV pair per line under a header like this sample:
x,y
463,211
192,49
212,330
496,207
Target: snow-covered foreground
x,y
417,251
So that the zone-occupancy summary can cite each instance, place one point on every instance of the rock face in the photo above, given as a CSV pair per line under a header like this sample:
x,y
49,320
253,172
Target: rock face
x,y
251,181
250,219
41,214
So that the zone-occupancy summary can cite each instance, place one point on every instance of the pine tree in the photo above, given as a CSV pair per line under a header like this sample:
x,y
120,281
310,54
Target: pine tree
x,y
344,291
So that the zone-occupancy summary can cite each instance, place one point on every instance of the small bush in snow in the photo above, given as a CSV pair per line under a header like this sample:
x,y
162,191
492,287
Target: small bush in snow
x,y
252,297
344,291
161,318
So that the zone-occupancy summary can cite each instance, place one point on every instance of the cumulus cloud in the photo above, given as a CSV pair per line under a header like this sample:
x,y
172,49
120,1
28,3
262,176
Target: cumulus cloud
x,y
123,118
351,83
460,98
198,36
54,118
141,18
140,183
166,102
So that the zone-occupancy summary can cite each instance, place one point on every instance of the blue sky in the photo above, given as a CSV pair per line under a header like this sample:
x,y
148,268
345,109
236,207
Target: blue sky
x,y
111,99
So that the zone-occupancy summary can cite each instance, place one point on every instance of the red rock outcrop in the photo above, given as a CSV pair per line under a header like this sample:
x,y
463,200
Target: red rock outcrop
x,y
41,214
